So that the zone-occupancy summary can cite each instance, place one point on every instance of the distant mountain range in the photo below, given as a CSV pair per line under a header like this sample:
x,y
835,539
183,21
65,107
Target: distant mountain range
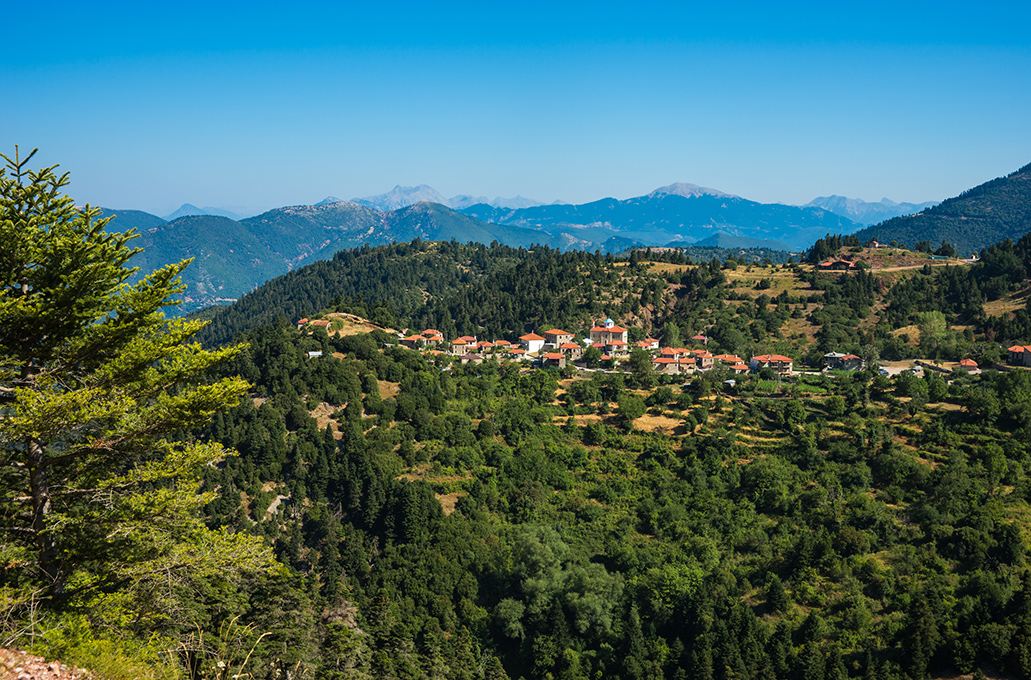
x,y
864,213
402,197
233,256
683,213
977,218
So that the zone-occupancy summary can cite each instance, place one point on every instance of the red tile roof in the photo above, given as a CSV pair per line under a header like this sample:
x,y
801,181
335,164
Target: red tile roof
x,y
529,337
569,345
554,356
556,331
766,358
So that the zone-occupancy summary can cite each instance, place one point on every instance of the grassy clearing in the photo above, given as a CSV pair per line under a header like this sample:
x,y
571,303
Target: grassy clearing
x,y
1009,304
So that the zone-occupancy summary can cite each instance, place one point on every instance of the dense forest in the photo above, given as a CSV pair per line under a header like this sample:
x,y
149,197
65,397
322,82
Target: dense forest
x,y
295,503
844,525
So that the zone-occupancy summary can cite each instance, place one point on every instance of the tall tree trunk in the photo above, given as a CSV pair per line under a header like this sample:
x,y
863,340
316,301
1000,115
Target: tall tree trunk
x,y
39,485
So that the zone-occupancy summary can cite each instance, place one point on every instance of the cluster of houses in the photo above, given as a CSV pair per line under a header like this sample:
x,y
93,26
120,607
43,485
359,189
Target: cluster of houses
x,y
556,347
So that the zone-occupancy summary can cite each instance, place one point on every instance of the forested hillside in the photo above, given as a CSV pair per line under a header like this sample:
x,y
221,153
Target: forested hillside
x,y
977,218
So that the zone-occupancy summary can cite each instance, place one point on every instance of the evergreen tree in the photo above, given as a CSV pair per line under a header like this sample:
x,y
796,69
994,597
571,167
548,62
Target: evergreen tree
x,y
95,383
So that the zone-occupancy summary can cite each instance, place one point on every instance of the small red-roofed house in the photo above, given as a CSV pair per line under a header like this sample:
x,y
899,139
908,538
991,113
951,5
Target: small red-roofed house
x,y
556,337
459,346
414,341
672,352
705,361
969,365
433,340
688,364
519,354
851,362
557,359
700,338
1020,355
300,324
838,265
484,346
572,350
471,358
617,348
739,368
665,365
778,362
531,342
728,359
430,331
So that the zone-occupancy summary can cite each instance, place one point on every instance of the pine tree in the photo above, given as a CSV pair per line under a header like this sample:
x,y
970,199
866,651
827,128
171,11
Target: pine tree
x,y
94,385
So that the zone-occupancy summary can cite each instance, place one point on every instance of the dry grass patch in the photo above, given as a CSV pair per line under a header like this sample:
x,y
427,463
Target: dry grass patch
x,y
418,472
350,324
665,267
387,389
448,501
323,415
1009,304
663,424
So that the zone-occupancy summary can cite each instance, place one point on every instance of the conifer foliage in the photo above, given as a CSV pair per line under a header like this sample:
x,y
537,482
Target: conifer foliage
x,y
98,495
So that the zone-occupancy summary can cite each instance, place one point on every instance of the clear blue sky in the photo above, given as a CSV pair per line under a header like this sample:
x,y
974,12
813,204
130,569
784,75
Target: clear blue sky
x,y
258,105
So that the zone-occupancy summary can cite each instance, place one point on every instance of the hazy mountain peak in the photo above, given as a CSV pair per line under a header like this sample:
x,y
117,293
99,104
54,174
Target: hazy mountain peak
x,y
189,210
330,200
866,213
401,197
688,191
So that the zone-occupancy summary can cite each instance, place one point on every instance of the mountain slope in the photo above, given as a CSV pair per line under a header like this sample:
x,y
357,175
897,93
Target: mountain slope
x,y
987,214
124,220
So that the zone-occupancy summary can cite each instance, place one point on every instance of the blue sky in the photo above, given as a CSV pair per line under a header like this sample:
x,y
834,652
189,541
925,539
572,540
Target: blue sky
x,y
258,105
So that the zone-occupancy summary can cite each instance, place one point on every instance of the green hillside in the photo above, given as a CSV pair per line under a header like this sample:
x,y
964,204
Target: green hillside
x,y
977,218
124,220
